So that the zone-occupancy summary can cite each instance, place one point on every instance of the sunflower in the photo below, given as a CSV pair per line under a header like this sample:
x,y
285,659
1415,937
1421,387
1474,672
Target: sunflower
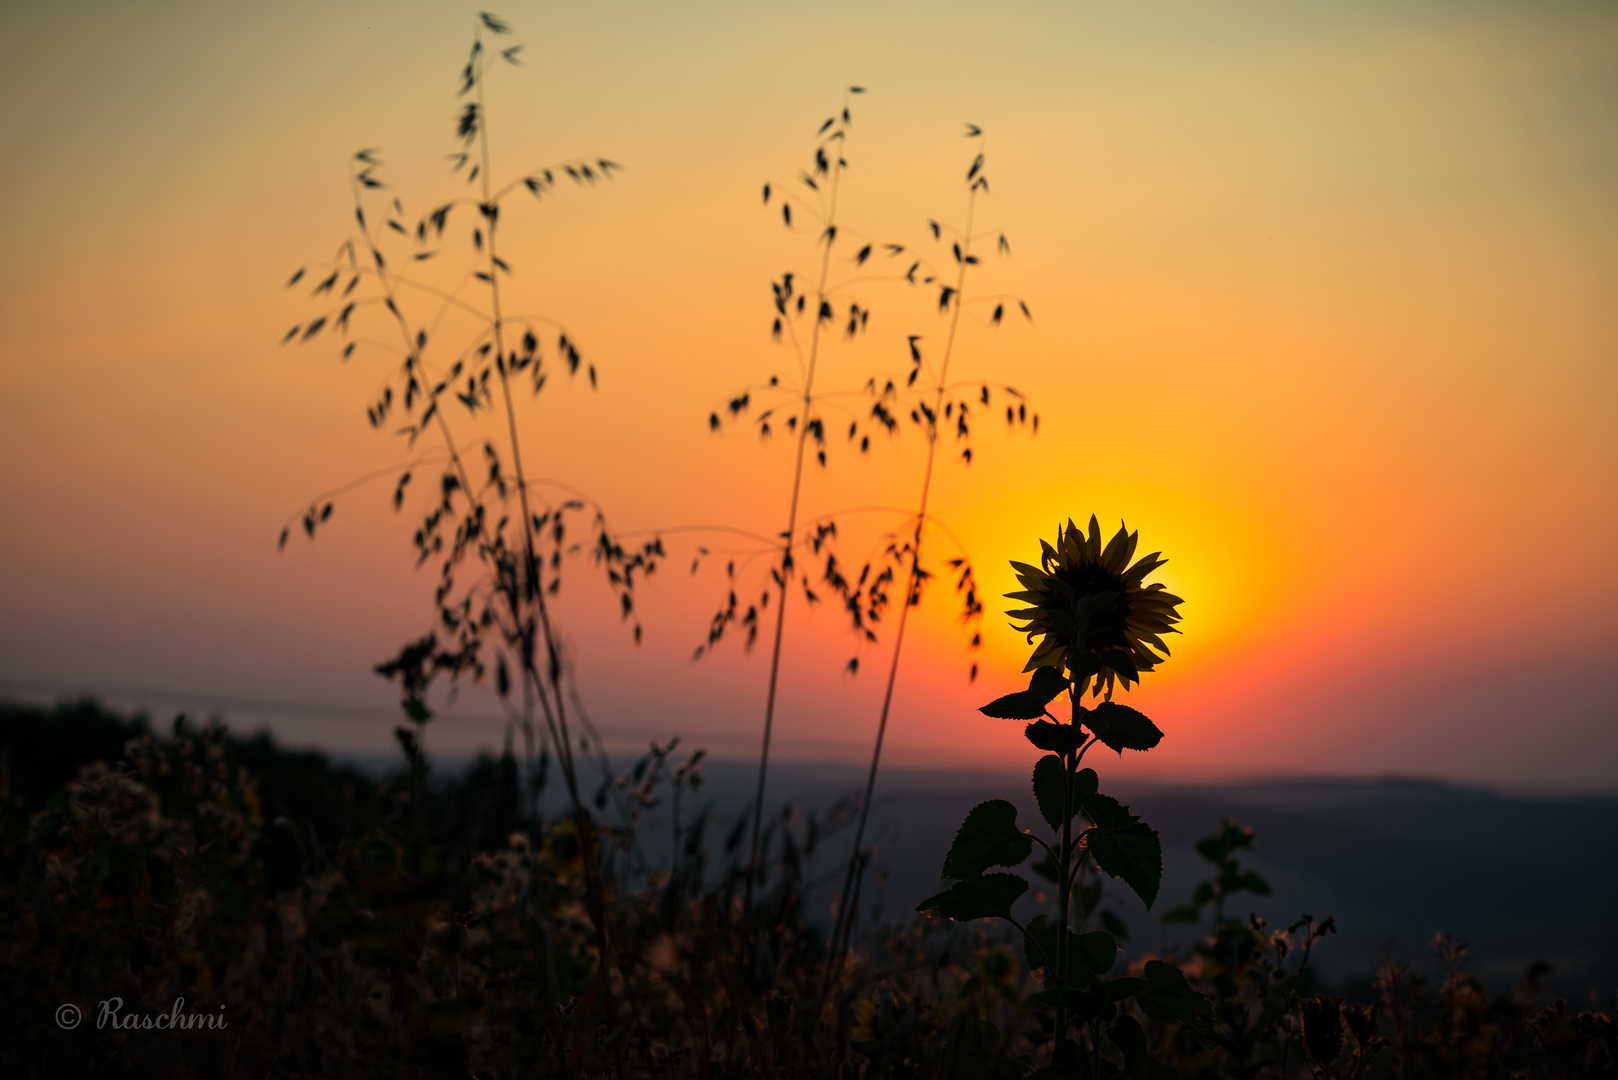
x,y
563,851
1092,616
864,1030
883,1017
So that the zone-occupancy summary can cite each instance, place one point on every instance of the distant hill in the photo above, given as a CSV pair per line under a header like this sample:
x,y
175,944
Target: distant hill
x,y
1521,879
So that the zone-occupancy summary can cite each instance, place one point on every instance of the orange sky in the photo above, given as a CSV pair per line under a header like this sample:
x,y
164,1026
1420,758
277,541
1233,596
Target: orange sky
x,y
1325,306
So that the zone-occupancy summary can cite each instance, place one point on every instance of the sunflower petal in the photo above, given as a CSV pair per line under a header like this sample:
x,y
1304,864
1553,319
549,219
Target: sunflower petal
x,y
1029,575
1152,639
1147,564
1112,558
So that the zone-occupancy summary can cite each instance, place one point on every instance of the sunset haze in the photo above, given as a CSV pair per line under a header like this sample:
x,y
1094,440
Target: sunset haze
x,y
1324,303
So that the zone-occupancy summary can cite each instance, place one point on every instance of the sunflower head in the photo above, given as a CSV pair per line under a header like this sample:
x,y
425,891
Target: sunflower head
x,y
563,851
864,1030
882,1021
1091,616
1000,968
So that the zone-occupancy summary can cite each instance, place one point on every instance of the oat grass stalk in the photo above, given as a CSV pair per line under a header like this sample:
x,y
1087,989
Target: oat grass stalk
x,y
506,612
548,689
829,169
952,297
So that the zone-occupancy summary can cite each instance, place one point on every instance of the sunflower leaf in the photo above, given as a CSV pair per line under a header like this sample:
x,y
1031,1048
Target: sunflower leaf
x,y
1168,998
1083,663
1039,945
1124,987
977,898
1085,784
1082,1005
1121,727
1057,738
1097,951
988,837
1048,789
1028,704
1124,846
1088,955
1115,926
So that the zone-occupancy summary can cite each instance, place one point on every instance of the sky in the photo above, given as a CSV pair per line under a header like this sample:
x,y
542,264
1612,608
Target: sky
x,y
1323,305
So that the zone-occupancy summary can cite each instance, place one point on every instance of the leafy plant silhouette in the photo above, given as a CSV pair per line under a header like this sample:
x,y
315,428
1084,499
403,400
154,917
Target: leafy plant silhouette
x,y
1094,624
1261,1001
303,901
459,346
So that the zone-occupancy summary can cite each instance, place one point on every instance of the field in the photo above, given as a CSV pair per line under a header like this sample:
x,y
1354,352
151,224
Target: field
x,y
350,923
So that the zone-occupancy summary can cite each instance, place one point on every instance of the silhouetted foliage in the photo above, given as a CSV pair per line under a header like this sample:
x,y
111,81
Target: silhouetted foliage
x,y
463,947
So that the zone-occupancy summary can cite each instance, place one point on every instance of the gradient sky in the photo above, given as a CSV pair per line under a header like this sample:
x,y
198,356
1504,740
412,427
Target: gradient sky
x,y
1326,306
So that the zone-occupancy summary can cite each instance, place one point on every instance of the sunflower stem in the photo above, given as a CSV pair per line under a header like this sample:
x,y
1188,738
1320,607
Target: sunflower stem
x,y
1064,886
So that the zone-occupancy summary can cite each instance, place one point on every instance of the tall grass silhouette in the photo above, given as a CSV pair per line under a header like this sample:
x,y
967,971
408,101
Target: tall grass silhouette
x,y
458,345
825,305
938,403
806,319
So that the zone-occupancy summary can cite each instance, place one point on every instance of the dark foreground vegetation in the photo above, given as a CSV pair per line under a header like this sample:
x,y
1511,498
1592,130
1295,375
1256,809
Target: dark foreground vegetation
x,y
344,925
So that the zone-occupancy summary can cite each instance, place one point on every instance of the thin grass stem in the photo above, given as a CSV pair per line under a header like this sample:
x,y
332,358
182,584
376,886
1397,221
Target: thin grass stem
x,y
842,927
786,564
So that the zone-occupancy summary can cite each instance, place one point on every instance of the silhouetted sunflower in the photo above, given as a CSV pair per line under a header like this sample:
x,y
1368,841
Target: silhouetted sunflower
x,y
885,1022
563,852
1092,615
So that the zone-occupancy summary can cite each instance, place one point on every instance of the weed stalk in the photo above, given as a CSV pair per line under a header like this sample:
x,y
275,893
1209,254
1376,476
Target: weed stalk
x,y
784,570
